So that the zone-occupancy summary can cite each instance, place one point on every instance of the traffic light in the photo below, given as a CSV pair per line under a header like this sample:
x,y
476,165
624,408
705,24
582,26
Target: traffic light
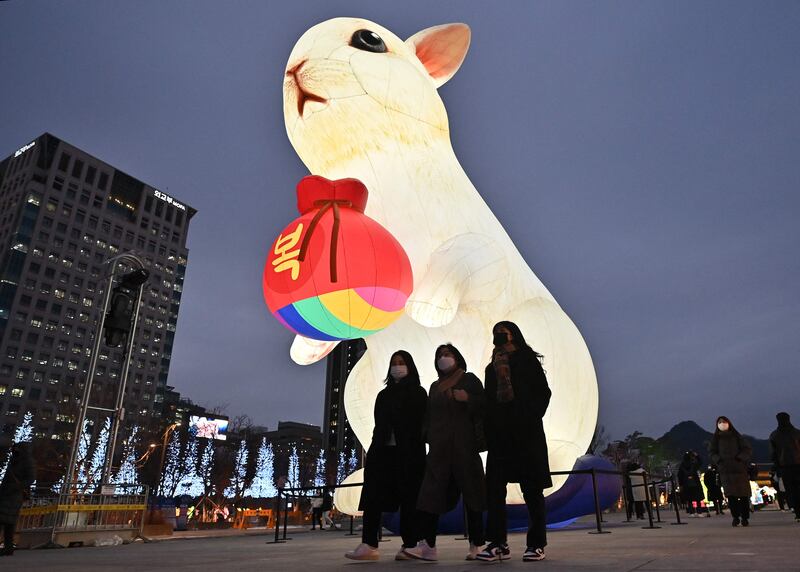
x,y
122,306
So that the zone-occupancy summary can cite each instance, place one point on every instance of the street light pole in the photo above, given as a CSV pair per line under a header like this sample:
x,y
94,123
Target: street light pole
x,y
87,388
119,409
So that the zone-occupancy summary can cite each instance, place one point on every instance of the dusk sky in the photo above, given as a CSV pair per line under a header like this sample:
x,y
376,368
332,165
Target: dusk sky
x,y
644,157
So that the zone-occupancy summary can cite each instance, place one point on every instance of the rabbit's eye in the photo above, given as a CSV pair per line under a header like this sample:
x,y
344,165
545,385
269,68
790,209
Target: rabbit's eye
x,y
368,41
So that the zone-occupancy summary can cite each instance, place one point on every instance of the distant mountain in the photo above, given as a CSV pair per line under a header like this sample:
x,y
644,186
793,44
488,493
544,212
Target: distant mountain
x,y
688,435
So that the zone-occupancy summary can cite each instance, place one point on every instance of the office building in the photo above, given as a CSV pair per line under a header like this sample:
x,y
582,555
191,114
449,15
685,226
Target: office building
x,y
63,215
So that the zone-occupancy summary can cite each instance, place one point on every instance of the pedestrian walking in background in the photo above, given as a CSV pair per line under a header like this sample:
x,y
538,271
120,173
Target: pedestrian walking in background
x,y
731,453
454,431
785,445
395,460
327,506
517,396
713,488
316,512
689,480
14,489
638,496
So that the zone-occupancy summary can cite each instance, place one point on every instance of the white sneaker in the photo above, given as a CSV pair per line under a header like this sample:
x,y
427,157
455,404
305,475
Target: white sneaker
x,y
401,555
533,554
363,552
473,552
422,552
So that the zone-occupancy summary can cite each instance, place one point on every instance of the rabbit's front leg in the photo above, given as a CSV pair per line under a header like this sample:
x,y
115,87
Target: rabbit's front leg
x,y
305,351
467,268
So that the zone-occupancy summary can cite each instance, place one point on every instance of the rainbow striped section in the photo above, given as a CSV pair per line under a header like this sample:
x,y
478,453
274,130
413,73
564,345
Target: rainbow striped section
x,y
344,314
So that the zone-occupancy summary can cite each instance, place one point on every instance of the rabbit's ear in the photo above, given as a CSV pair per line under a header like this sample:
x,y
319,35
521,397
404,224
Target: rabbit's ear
x,y
441,49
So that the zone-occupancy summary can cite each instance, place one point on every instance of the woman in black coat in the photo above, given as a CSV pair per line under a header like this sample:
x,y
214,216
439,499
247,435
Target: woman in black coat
x,y
731,453
454,432
689,480
517,396
396,457
13,490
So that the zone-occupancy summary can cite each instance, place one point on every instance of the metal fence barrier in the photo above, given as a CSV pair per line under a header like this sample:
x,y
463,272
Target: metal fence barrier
x,y
651,488
77,518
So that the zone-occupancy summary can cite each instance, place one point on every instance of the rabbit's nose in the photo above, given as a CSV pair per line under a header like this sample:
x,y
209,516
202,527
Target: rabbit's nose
x,y
293,69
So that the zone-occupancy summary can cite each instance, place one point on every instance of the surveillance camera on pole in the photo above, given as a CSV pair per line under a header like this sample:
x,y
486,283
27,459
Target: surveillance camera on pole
x,y
122,306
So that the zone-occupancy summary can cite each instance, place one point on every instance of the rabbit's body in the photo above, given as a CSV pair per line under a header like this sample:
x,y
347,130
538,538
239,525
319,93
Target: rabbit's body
x,y
377,117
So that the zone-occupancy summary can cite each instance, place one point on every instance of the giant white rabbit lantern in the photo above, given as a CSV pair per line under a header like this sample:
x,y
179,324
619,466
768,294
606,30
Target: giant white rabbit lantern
x,y
360,102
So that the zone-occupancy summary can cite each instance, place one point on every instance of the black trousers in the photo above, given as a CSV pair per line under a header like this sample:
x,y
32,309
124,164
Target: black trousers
x,y
371,526
429,522
781,498
8,537
497,521
740,507
791,482
717,504
639,505
316,518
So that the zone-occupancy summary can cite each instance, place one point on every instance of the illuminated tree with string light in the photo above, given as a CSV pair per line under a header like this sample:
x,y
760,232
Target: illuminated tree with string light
x,y
24,433
263,485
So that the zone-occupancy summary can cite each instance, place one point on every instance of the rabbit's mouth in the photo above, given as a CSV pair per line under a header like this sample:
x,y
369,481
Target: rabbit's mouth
x,y
294,77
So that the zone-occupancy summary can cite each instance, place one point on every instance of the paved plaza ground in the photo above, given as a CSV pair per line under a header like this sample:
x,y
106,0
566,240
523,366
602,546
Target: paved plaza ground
x,y
771,544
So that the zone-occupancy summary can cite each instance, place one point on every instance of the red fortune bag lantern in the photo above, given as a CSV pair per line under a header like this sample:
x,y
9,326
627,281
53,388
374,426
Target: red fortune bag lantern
x,y
334,273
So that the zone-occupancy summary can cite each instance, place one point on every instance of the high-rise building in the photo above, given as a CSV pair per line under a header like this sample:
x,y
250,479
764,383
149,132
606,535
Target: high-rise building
x,y
63,214
293,436
338,435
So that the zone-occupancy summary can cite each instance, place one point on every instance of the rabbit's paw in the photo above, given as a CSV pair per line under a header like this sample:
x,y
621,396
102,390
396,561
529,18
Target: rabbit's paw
x,y
306,351
431,313
467,268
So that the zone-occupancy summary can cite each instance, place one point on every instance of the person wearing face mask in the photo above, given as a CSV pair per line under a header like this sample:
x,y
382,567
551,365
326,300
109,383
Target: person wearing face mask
x,y
395,460
731,453
455,436
517,396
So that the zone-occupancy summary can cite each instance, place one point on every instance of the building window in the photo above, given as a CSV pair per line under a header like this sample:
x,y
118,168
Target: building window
x,y
63,162
77,168
91,172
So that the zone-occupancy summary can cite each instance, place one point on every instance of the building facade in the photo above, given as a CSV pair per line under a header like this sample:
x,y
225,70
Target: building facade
x,y
63,214
338,435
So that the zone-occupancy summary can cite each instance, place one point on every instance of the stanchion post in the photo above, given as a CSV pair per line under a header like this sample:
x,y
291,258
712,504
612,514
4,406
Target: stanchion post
x,y
351,533
598,518
277,519
656,498
675,502
286,518
647,502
